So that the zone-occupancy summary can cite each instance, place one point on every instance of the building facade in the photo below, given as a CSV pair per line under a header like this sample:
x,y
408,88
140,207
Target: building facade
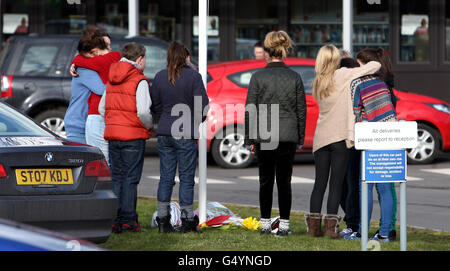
x,y
416,33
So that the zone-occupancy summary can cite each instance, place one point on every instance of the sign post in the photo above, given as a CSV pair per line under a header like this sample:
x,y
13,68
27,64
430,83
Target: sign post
x,y
203,60
383,160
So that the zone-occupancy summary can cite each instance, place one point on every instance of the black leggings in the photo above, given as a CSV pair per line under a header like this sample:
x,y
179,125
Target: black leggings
x,y
334,157
277,163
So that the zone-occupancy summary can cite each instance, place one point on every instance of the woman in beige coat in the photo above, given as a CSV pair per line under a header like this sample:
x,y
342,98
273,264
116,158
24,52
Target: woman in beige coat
x,y
333,136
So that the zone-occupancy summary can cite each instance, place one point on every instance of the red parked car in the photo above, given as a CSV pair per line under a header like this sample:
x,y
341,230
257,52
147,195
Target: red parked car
x,y
227,87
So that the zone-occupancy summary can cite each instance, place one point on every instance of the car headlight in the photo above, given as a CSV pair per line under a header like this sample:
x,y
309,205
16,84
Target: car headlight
x,y
441,107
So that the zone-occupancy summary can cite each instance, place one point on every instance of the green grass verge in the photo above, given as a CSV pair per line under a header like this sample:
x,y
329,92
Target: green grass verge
x,y
240,239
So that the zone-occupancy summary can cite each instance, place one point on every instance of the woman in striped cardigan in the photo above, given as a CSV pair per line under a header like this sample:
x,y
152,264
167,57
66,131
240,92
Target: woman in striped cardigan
x,y
373,101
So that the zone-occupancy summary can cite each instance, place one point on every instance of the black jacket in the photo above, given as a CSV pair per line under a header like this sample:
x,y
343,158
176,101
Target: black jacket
x,y
276,84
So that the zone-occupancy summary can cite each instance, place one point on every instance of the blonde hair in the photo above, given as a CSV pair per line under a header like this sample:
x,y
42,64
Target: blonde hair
x,y
327,62
277,44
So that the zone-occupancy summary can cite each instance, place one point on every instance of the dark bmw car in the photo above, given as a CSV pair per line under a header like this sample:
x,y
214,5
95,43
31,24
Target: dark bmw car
x,y
52,183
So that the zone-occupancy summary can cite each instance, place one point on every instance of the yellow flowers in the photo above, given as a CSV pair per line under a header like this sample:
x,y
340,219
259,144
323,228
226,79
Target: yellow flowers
x,y
251,223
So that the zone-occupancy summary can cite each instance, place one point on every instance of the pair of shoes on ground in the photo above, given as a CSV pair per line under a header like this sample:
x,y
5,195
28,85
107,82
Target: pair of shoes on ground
x,y
126,227
313,223
187,225
278,226
377,237
278,232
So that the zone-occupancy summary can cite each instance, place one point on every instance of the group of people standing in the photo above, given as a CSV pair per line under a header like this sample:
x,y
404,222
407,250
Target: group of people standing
x,y
112,108
347,90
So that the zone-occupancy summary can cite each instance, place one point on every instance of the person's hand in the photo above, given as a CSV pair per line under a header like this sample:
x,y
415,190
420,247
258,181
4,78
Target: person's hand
x,y
73,70
250,148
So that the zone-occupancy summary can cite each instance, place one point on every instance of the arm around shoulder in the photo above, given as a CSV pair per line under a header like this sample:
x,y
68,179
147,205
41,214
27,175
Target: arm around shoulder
x,y
352,73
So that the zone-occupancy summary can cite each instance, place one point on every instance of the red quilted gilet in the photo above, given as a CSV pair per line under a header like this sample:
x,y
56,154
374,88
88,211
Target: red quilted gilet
x,y
121,120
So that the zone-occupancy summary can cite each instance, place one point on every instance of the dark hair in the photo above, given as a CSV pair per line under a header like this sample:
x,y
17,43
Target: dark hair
x,y
132,51
176,60
86,44
349,62
92,37
259,44
371,54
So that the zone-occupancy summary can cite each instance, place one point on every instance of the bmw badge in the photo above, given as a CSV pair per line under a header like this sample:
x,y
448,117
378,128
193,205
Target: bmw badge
x,y
49,157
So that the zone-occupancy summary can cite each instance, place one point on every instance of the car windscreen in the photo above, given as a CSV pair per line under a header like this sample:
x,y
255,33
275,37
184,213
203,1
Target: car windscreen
x,y
307,74
13,123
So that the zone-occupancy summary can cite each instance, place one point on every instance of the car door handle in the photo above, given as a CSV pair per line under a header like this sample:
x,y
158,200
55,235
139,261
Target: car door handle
x,y
29,86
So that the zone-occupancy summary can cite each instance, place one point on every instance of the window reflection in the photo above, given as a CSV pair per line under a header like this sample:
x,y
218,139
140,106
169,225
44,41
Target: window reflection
x,y
414,34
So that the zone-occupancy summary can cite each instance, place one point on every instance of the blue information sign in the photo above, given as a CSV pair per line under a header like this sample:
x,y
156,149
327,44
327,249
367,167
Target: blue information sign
x,y
383,165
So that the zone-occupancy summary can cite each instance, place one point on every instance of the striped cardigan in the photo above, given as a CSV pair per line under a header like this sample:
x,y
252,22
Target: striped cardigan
x,y
371,100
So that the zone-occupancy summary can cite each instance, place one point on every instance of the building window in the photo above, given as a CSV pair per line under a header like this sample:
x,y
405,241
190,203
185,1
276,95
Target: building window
x,y
314,23
15,18
371,25
414,31
63,18
213,31
254,19
317,22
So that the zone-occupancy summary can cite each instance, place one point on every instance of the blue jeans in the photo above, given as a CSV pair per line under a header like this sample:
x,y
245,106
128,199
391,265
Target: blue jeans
x,y
127,161
76,137
394,211
386,206
173,152
95,129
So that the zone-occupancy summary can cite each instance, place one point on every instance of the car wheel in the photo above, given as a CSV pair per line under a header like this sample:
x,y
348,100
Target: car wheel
x,y
428,145
53,120
229,151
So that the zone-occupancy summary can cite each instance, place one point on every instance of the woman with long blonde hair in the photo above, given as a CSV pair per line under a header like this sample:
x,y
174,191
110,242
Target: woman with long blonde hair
x,y
333,136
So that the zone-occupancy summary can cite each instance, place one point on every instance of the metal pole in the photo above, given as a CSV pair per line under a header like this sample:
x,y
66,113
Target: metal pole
x,y
133,18
403,240
347,25
203,60
364,216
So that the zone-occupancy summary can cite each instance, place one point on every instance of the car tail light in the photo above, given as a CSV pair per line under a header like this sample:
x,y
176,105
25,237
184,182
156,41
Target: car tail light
x,y
6,86
3,172
99,169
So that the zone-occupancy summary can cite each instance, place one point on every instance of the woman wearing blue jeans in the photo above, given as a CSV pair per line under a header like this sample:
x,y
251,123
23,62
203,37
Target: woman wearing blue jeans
x,y
372,101
178,89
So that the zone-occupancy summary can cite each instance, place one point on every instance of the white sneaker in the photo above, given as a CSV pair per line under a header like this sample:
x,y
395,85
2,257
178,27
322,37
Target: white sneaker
x,y
346,232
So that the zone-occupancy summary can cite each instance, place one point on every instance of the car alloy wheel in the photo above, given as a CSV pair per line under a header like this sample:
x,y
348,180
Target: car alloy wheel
x,y
53,119
230,152
427,146
55,125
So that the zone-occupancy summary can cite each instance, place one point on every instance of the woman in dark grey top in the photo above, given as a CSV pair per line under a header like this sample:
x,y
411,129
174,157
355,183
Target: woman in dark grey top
x,y
275,120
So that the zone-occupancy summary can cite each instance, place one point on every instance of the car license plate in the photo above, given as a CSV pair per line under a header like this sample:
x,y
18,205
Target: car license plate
x,y
44,176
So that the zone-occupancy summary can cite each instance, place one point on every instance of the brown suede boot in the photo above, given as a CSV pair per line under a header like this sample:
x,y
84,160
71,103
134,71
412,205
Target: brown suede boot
x,y
332,226
314,224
